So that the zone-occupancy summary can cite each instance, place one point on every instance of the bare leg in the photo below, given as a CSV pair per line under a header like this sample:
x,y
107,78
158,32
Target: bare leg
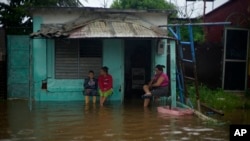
x,y
146,89
86,99
101,100
94,99
146,102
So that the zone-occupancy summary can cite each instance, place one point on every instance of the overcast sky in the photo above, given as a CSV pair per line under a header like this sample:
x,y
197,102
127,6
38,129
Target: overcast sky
x,y
196,7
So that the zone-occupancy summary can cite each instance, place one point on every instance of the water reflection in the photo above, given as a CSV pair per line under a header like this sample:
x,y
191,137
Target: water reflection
x,y
75,121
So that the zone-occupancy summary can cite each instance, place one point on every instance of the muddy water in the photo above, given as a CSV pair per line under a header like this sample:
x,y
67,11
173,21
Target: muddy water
x,y
74,121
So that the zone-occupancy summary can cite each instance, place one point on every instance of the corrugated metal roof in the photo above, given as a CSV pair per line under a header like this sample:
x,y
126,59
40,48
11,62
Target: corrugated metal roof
x,y
115,29
102,28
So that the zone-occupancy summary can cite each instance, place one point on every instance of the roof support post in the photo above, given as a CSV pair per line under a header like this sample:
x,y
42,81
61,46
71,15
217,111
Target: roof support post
x,y
173,71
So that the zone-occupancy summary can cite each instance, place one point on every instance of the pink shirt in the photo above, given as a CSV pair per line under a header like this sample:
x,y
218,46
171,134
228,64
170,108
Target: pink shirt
x,y
165,81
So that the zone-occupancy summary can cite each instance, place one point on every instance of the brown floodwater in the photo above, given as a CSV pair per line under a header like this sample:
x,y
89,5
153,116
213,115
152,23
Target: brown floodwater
x,y
74,121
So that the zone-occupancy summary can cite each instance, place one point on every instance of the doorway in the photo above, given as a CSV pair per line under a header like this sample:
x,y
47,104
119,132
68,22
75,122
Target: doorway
x,y
235,59
137,67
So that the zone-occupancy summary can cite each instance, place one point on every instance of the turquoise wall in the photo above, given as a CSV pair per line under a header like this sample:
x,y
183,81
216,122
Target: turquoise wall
x,y
38,61
113,58
42,62
18,66
67,89
160,58
43,69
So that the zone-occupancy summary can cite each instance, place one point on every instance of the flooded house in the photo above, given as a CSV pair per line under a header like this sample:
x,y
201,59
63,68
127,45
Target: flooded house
x,y
68,42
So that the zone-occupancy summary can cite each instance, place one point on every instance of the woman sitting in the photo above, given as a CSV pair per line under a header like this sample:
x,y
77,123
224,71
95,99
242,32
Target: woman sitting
x,y
157,87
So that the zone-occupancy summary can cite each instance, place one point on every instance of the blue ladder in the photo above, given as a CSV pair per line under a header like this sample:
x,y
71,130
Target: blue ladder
x,y
181,76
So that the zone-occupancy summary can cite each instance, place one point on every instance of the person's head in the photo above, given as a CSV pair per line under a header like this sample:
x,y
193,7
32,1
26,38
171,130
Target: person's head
x,y
104,70
159,69
91,74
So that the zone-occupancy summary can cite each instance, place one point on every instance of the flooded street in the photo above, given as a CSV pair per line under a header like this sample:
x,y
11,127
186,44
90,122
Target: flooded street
x,y
74,121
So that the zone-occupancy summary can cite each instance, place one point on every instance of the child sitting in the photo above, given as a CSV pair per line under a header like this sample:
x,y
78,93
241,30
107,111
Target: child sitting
x,y
90,87
105,83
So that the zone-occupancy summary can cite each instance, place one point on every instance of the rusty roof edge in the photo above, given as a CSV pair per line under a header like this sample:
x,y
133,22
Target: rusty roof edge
x,y
80,22
106,10
149,26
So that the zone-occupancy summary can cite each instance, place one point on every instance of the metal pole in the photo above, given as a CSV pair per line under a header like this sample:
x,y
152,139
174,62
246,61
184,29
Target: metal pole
x,y
204,20
173,72
213,5
197,24
204,10
186,10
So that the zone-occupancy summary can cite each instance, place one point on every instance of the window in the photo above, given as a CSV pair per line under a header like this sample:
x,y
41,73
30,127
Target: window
x,y
75,57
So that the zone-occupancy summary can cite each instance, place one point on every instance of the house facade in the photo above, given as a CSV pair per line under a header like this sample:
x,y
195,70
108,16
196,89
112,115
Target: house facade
x,y
68,42
234,39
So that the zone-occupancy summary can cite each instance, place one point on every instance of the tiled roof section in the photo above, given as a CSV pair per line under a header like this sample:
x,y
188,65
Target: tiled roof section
x,y
105,27
50,31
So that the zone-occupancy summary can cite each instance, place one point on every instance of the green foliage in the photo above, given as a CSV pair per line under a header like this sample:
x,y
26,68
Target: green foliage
x,y
218,99
16,13
198,34
59,3
143,4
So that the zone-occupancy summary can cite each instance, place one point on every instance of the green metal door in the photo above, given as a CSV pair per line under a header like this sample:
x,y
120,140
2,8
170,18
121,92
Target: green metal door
x,y
113,58
18,67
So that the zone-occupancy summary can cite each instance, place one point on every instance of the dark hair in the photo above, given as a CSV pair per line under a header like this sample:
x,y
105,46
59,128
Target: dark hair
x,y
105,69
91,71
160,67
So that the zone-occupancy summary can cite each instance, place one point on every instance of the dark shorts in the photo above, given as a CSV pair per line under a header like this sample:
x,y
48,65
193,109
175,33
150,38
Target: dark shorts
x,y
160,91
90,92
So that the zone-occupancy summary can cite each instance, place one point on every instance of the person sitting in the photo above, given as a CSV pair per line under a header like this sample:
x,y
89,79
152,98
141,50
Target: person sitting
x,y
90,87
157,87
105,82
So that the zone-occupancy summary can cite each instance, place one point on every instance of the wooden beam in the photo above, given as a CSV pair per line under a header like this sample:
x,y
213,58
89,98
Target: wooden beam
x,y
212,109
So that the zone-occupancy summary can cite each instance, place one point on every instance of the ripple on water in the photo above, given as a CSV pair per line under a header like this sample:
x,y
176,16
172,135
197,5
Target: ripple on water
x,y
185,138
194,133
213,139
197,130
176,132
164,133
25,132
71,122
20,139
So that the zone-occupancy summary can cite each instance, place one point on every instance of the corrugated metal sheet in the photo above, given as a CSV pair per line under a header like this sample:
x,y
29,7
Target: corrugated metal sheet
x,y
66,60
115,29
102,28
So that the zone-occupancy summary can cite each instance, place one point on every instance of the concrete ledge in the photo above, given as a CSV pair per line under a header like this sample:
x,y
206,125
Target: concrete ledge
x,y
65,85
